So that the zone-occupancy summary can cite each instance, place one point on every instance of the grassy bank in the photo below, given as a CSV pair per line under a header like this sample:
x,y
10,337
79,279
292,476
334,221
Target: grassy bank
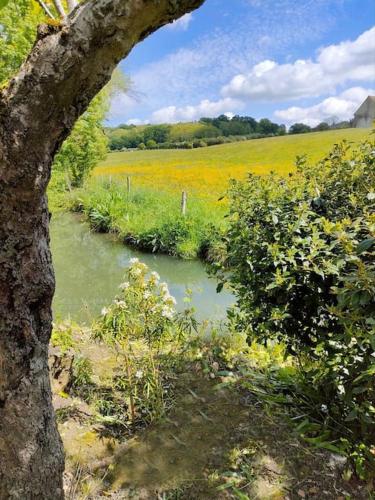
x,y
149,219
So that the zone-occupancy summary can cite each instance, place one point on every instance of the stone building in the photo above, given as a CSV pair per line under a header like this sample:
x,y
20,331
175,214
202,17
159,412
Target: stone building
x,y
365,115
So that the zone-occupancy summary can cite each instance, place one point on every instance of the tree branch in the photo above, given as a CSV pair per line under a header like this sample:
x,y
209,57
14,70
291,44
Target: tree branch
x,y
59,7
46,9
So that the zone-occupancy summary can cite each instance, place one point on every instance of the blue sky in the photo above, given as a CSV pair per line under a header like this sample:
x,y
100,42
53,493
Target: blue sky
x,y
288,60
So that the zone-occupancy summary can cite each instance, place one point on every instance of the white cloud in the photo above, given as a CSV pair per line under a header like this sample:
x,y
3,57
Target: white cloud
x,y
121,104
332,109
335,65
199,70
137,121
182,23
206,108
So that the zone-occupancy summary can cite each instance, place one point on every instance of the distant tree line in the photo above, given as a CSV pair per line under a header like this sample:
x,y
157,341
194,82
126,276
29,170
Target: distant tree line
x,y
302,128
206,132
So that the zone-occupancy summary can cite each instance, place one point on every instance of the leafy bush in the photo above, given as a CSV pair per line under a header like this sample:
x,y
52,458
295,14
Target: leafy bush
x,y
300,254
151,144
86,145
82,372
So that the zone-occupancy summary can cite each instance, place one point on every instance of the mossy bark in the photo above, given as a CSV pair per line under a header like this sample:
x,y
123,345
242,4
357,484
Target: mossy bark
x,y
66,68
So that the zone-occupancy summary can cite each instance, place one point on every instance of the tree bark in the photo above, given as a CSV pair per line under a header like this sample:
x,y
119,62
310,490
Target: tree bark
x,y
66,68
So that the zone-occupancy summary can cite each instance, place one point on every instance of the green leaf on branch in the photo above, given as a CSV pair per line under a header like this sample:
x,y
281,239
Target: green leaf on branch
x,y
365,245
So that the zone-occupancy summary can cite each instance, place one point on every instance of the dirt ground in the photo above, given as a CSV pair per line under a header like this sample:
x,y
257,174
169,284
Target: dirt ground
x,y
216,443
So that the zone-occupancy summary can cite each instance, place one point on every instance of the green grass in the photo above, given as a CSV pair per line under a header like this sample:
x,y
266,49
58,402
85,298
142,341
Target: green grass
x,y
150,220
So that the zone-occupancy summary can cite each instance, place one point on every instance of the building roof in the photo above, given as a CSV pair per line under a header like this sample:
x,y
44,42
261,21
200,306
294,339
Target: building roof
x,y
367,108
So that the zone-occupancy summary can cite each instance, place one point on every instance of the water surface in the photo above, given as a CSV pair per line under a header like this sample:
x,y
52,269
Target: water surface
x,y
89,268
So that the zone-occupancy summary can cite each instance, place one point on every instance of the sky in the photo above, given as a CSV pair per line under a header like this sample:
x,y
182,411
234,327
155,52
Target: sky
x,y
286,60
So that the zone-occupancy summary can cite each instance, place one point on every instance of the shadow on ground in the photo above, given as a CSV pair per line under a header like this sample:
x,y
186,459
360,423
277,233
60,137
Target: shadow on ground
x,y
216,444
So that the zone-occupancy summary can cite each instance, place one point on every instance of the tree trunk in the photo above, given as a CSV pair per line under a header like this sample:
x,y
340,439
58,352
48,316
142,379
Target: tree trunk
x,y
66,68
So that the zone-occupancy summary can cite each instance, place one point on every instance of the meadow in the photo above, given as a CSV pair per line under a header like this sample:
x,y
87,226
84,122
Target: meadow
x,y
206,171
150,218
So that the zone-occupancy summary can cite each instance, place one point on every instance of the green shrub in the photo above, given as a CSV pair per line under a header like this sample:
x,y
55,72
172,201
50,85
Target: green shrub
x,y
151,144
82,372
300,257
85,146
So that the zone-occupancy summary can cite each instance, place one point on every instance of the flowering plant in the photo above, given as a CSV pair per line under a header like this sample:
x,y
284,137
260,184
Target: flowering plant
x,y
136,325
144,309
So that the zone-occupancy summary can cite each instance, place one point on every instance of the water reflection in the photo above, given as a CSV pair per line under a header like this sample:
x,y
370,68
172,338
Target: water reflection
x,y
89,267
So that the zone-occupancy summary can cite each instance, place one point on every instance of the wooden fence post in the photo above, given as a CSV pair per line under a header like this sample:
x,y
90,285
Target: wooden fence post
x,y
128,184
183,202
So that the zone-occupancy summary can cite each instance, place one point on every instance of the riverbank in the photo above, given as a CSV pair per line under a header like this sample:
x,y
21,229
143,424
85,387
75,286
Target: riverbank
x,y
152,221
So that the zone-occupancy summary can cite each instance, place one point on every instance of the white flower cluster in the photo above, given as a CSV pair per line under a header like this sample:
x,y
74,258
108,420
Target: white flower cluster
x,y
160,303
155,276
121,303
167,312
165,295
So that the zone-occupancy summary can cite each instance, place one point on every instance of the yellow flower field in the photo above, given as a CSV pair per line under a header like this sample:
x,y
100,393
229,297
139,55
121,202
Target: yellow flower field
x,y
206,171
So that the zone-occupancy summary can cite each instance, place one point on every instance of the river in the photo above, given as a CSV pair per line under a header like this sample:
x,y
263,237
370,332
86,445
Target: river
x,y
89,268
